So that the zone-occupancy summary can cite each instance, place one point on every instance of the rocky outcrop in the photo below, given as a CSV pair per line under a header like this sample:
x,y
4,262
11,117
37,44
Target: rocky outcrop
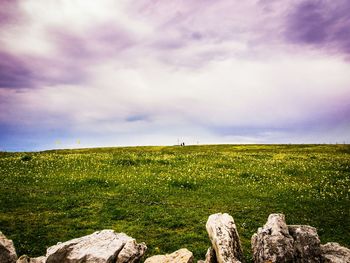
x,y
334,253
131,252
100,247
180,256
26,259
7,250
273,243
277,242
210,256
306,245
224,238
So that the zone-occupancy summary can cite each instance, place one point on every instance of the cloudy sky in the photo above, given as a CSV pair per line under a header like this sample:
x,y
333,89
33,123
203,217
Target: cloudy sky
x,y
77,73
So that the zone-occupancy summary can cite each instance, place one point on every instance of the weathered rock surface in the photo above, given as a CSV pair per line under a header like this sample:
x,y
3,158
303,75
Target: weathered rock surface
x,y
307,248
273,243
7,250
180,256
334,253
100,247
26,259
210,256
224,238
131,252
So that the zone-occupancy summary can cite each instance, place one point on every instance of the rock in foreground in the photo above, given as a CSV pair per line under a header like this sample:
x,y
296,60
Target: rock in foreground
x,y
104,246
180,256
307,246
210,256
273,243
26,259
334,253
131,252
276,242
7,250
224,238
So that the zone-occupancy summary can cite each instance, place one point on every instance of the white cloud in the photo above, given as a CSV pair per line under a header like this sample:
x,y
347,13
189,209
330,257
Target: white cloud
x,y
230,92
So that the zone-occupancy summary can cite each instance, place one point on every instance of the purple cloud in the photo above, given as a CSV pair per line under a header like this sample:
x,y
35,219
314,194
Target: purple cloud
x,y
10,12
14,72
99,42
321,23
17,72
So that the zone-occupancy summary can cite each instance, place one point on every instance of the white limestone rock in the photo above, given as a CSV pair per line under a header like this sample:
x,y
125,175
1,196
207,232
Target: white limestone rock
x,y
7,250
26,259
307,245
180,256
273,243
100,247
334,253
131,252
224,238
210,256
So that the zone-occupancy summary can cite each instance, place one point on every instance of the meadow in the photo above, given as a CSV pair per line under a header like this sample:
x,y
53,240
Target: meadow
x,y
164,195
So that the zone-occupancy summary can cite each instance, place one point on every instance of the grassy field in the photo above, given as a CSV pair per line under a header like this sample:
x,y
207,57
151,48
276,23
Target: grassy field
x,y
164,195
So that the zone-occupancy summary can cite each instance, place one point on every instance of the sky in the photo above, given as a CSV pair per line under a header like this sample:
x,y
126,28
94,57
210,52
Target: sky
x,y
77,73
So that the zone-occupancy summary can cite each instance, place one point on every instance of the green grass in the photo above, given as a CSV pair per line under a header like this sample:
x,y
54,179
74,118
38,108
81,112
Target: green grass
x,y
164,195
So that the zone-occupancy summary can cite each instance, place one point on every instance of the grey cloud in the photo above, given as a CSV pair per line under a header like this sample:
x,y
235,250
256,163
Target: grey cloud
x,y
14,72
18,72
320,23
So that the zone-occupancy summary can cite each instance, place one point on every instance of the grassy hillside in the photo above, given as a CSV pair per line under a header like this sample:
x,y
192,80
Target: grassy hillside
x,y
164,195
